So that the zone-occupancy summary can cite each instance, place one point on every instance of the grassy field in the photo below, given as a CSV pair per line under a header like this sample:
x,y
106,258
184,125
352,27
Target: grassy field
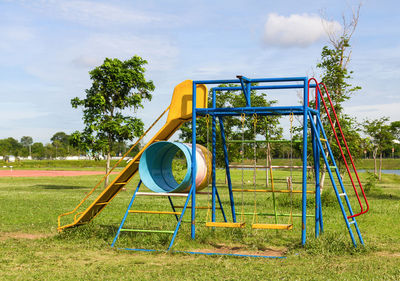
x,y
31,248
390,164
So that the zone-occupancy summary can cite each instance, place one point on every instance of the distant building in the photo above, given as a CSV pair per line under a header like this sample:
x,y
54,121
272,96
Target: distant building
x,y
9,158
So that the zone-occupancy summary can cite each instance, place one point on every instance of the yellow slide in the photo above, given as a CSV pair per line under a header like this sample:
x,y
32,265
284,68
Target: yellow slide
x,y
180,111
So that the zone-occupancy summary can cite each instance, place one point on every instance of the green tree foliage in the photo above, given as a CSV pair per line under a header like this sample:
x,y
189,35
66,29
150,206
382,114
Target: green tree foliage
x,y
116,86
60,138
395,129
26,142
10,146
60,143
336,75
381,137
233,126
38,150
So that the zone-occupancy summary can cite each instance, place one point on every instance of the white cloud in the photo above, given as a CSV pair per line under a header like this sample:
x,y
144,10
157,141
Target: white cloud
x,y
296,30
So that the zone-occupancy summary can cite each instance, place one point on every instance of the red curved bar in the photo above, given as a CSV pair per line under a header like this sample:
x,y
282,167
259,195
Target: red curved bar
x,y
317,88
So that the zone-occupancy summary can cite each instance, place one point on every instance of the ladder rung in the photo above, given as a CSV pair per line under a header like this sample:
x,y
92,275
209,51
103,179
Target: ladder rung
x,y
147,230
162,194
272,226
120,183
198,207
226,224
102,203
342,194
270,190
332,167
322,139
154,212
351,222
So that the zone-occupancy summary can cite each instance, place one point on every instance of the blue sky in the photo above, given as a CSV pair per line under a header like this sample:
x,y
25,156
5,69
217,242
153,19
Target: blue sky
x,y
48,47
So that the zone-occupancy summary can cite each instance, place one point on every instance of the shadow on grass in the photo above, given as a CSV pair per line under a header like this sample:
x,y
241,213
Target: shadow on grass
x,y
383,196
43,186
89,231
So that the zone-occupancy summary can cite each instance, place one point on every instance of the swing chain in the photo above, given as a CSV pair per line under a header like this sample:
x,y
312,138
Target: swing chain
x,y
208,179
243,119
291,165
255,217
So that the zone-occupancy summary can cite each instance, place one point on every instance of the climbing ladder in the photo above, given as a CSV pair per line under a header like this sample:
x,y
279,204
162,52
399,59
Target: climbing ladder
x,y
333,168
320,137
178,215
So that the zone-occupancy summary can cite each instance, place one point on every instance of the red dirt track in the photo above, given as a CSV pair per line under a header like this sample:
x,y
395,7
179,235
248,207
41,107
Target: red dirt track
x,y
42,173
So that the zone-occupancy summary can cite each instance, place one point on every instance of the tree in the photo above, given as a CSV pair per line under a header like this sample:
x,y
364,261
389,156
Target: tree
x,y
10,146
116,86
233,125
61,138
27,141
60,141
336,75
395,129
38,150
381,137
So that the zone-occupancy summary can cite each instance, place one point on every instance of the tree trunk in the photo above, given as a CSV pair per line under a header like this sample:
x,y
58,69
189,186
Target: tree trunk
x,y
322,179
380,167
107,168
374,153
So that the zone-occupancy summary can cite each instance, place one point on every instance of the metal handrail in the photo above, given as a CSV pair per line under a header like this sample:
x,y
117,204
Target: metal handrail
x,y
318,90
109,172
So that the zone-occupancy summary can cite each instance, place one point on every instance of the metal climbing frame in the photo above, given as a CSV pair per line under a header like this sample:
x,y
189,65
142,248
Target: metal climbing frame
x,y
318,136
189,91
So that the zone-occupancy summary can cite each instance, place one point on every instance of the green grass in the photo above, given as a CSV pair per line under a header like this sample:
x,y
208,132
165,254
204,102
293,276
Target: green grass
x,y
60,164
31,248
391,164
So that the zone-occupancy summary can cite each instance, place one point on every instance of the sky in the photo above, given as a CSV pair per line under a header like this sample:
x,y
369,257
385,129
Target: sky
x,y
47,48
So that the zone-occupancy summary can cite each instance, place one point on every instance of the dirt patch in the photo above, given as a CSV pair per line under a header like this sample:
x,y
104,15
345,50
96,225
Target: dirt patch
x,y
44,173
20,235
240,250
388,254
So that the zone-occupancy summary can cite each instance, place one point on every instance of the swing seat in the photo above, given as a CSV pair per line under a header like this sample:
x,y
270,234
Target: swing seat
x,y
226,224
272,226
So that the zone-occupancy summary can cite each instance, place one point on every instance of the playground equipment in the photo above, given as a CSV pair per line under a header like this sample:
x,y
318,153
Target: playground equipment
x,y
155,158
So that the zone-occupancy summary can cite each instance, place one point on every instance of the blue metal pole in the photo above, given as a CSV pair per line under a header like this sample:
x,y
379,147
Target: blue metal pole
x,y
256,80
220,205
228,173
126,214
318,191
264,87
334,184
214,105
173,207
304,186
245,90
314,135
181,217
194,165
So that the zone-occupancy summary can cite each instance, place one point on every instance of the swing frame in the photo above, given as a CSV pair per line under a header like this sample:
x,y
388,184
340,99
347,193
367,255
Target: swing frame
x,y
245,86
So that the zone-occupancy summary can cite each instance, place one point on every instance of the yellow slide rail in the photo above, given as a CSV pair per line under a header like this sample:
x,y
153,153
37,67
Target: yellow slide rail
x,y
109,172
180,111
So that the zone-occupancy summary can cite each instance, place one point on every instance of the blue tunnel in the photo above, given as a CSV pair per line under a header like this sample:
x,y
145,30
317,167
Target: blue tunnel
x,y
155,167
